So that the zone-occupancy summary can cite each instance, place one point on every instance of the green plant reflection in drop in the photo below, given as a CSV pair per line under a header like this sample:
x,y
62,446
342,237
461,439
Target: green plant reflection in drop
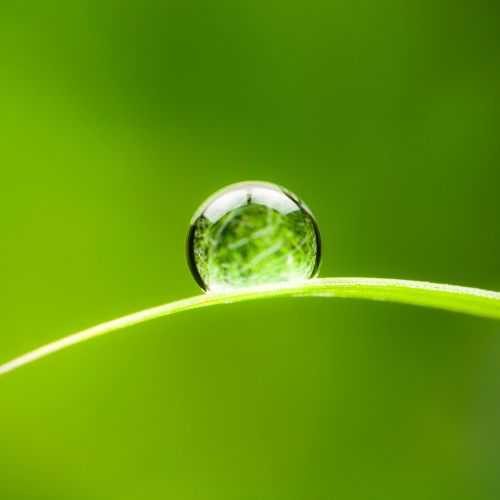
x,y
252,233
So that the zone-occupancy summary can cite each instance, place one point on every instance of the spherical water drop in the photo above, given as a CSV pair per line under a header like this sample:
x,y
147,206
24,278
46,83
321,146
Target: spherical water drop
x,y
252,233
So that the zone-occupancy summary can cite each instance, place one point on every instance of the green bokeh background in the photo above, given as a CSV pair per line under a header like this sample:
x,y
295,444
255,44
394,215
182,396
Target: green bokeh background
x,y
117,119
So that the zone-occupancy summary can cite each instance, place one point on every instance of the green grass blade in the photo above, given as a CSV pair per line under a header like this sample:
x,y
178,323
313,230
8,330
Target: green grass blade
x,y
447,297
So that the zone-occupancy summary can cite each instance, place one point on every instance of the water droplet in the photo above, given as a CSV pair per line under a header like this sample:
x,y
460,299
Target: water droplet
x,y
252,233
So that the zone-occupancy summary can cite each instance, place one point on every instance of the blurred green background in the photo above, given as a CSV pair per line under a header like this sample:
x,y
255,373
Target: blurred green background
x,y
117,119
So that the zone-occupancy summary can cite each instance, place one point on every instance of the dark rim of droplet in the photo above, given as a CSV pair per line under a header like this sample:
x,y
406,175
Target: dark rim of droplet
x,y
191,261
192,228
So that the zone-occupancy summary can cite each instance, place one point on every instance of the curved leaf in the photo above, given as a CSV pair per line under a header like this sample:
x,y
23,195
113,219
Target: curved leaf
x,y
452,298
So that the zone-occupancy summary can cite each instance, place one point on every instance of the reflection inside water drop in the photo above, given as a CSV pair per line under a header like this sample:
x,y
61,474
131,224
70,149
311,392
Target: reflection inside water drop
x,y
252,233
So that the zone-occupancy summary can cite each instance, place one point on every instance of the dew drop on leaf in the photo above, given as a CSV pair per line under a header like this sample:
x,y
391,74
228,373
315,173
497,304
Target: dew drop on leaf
x,y
252,233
